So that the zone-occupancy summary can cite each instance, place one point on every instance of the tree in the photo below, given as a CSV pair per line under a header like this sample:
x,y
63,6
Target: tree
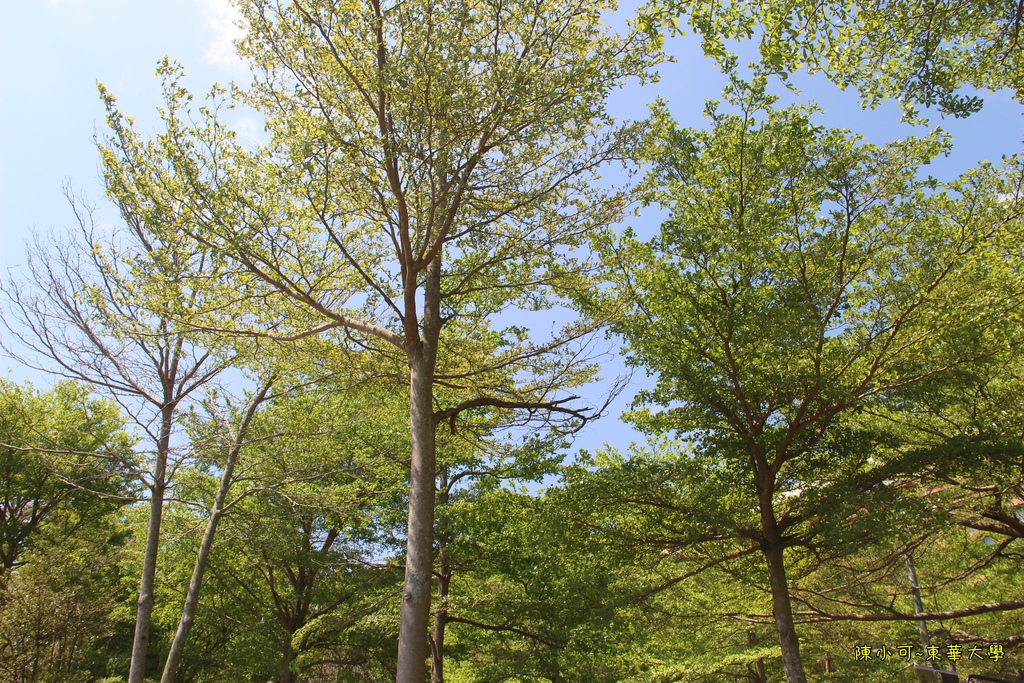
x,y
108,310
64,459
922,52
531,592
233,438
297,578
428,170
62,615
966,434
475,467
60,451
801,277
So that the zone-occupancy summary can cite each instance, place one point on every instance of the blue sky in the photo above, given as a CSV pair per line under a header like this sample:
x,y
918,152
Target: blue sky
x,y
52,52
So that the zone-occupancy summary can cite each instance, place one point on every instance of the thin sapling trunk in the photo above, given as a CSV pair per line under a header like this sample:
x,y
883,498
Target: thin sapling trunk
x,y
195,584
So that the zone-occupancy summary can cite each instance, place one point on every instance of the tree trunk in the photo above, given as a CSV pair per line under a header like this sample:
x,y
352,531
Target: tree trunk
x,y
188,611
440,621
287,675
782,610
144,613
922,625
195,584
444,577
757,671
419,558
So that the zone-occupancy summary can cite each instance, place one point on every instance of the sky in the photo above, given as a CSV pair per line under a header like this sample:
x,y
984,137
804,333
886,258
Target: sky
x,y
52,53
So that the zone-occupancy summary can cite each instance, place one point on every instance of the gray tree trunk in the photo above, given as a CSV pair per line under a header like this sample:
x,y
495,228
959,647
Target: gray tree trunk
x,y
922,625
195,584
144,612
782,610
419,560
440,622
757,671
188,611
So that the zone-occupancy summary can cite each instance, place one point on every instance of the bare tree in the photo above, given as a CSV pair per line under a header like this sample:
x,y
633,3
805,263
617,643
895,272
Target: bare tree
x,y
107,310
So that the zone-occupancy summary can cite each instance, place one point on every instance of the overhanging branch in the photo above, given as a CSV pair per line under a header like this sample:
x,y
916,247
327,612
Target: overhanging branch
x,y
509,629
491,402
817,616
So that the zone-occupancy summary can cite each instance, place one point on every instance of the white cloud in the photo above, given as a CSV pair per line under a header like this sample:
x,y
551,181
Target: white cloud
x,y
225,24
250,130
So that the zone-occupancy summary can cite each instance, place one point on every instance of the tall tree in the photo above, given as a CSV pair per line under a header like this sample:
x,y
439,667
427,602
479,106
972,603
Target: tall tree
x,y
63,613
429,169
801,276
107,310
65,474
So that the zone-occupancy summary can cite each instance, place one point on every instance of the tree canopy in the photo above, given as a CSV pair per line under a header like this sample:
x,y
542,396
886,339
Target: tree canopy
x,y
920,52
